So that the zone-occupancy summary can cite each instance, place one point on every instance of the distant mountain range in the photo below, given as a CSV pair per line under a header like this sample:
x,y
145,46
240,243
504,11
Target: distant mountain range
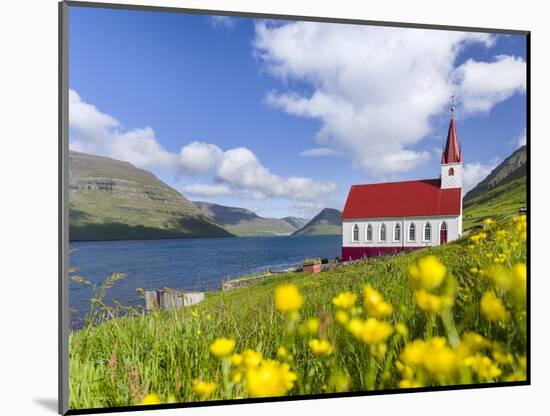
x,y
328,221
243,222
113,200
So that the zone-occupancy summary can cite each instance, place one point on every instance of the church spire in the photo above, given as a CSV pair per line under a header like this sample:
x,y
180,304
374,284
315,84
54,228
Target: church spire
x,y
452,153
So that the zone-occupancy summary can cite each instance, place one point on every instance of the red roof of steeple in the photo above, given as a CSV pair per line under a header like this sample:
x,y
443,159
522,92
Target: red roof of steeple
x,y
452,153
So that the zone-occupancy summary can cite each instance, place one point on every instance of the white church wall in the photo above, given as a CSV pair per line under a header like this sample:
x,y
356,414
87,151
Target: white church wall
x,y
453,231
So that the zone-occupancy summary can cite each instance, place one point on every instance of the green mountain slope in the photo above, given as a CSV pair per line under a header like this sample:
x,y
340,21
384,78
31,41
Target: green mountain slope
x,y
512,168
243,222
501,194
328,221
113,200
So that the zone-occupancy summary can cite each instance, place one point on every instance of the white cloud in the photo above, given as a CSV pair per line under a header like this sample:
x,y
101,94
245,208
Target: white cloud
x,y
235,171
99,133
240,168
207,190
319,152
473,173
521,140
482,85
375,90
199,157
223,21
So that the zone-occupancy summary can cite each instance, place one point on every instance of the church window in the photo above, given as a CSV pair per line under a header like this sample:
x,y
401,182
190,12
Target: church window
x,y
428,232
383,232
369,233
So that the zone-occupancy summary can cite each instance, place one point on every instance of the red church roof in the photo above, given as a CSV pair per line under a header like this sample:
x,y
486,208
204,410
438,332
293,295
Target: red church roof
x,y
402,199
452,153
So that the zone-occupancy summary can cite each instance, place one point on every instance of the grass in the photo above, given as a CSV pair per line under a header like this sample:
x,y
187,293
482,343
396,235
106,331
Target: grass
x,y
119,361
499,203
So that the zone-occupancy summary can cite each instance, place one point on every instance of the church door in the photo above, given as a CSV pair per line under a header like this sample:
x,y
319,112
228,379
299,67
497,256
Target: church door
x,y
443,234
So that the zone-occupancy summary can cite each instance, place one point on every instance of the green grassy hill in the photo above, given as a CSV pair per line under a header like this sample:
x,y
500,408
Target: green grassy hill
x,y
113,200
501,194
243,222
327,222
499,203
119,361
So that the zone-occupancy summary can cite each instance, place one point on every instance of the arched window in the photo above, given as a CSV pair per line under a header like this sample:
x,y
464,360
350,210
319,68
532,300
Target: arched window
x,y
355,236
443,226
451,171
412,232
368,233
383,232
397,232
427,232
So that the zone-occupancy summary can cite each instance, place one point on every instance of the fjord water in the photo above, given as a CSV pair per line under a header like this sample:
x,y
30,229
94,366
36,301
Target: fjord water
x,y
189,264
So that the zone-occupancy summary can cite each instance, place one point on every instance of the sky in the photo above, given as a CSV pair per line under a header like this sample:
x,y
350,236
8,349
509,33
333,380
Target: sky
x,y
282,117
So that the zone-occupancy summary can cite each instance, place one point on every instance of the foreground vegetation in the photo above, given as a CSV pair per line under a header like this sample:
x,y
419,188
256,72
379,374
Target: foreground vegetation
x,y
450,315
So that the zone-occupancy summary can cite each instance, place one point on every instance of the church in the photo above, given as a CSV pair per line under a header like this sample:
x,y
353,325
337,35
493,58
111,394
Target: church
x,y
389,218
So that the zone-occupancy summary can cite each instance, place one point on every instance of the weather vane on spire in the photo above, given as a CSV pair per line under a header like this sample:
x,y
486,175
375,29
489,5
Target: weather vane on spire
x,y
453,105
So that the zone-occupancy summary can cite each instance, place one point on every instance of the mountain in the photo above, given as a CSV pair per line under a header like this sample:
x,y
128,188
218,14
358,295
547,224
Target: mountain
x,y
512,168
328,221
113,200
243,222
296,222
501,194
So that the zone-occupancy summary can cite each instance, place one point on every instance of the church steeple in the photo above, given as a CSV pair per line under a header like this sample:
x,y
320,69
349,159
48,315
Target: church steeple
x,y
451,158
452,153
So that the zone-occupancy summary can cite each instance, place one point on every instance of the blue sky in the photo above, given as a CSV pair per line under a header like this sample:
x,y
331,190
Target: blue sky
x,y
224,109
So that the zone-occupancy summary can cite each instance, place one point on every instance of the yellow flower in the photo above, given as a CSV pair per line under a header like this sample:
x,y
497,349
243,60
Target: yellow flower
x,y
203,389
414,352
288,298
500,277
236,359
483,366
311,326
434,356
428,273
342,317
375,304
222,347
402,330
236,377
282,352
355,326
474,270
428,302
345,300
269,379
375,332
439,359
503,358
492,307
151,398
519,280
488,222
321,347
194,313
407,384
252,358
